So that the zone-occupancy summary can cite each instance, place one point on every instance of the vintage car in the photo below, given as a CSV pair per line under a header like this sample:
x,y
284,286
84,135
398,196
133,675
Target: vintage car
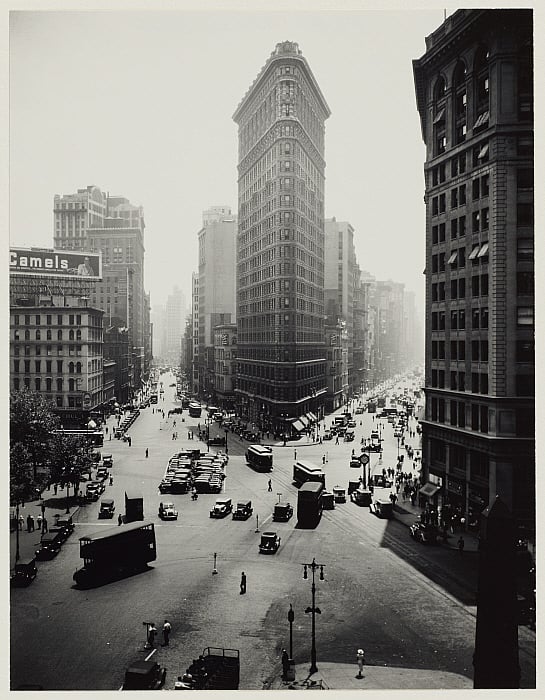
x,y
427,534
102,474
167,511
359,410
222,507
93,490
382,508
373,447
243,510
144,675
63,528
282,511
349,436
107,461
339,494
351,424
361,497
50,545
328,500
25,572
216,440
328,435
107,508
269,543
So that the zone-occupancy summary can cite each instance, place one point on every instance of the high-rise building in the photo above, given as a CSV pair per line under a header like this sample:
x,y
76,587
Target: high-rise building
x,y
280,242
474,95
175,315
93,220
216,278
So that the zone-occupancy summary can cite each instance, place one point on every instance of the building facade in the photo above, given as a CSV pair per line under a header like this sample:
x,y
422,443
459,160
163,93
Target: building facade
x,y
225,358
280,242
475,100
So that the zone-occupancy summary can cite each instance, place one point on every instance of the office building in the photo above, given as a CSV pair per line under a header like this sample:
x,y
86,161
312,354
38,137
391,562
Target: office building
x,y
280,243
474,94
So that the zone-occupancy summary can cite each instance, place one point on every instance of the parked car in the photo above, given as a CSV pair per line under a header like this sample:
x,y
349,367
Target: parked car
x,y
107,461
382,508
349,436
328,435
102,474
328,500
282,511
427,534
50,545
351,424
358,410
270,542
339,494
243,510
167,511
144,675
107,508
222,507
216,440
361,497
25,572
93,490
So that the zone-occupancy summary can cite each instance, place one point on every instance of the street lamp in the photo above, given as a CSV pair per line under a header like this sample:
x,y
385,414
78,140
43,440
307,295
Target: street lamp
x,y
313,609
226,446
291,617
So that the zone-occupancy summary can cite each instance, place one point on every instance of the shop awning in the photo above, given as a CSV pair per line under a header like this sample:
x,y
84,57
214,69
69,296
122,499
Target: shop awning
x,y
429,489
482,120
312,417
297,425
304,420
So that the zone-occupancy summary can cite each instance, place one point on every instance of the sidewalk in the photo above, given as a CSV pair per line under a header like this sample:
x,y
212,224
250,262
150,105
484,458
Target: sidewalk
x,y
339,676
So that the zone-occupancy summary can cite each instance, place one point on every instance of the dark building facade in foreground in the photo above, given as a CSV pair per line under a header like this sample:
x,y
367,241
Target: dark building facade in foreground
x,y
475,99
280,242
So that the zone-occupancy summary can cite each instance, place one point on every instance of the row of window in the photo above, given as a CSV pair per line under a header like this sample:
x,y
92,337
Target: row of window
x,y
72,335
73,319
47,384
73,367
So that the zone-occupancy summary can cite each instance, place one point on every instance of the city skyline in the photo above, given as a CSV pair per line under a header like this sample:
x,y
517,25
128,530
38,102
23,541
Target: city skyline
x,y
107,127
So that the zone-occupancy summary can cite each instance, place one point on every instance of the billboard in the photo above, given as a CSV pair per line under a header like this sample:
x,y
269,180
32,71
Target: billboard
x,y
65,263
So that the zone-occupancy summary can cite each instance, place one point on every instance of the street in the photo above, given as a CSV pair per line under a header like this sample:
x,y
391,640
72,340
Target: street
x,y
381,590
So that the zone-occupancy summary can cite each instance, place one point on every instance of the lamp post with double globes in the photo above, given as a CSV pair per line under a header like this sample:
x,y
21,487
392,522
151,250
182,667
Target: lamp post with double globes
x,y
313,566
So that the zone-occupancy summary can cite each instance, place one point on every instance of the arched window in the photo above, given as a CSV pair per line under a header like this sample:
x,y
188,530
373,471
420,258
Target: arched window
x,y
439,116
59,335
48,383
71,384
59,384
78,367
78,334
70,335
38,335
460,102
482,88
48,334
27,335
38,384
71,368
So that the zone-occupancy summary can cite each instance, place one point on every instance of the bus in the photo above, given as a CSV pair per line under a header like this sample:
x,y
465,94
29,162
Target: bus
x,y
260,458
195,409
310,504
307,471
115,551
381,401
89,437
153,398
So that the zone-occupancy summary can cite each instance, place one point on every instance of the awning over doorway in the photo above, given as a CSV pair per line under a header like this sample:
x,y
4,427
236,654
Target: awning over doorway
x,y
297,425
312,418
429,489
304,420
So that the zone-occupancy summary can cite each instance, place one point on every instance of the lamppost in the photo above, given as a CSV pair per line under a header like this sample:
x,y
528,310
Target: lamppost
x,y
313,609
17,555
291,617
226,446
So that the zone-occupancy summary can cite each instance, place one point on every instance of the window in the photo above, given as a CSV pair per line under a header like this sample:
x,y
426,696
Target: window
x,y
525,351
484,317
48,320
454,320
474,252
37,384
525,316
484,285
442,203
461,226
525,249
525,385
474,350
484,350
485,185
475,286
453,229
525,283
48,384
454,198
453,258
441,233
484,219
476,188
461,313
37,366
475,222
48,334
525,214
483,383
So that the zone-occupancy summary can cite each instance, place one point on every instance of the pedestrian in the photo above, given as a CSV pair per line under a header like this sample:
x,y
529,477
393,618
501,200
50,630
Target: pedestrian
x,y
120,519
285,663
167,627
130,441
173,436
242,583
361,661
39,521
294,454
111,480
55,487
461,545
152,631
28,523
337,440
106,430
174,424
270,486
147,452
44,525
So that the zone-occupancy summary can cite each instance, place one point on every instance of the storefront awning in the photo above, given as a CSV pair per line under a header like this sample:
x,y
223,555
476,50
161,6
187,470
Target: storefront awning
x,y
304,420
312,417
429,489
297,425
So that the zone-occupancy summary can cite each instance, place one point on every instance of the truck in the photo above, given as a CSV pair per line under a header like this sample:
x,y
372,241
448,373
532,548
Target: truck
x,y
109,554
309,503
134,506
215,669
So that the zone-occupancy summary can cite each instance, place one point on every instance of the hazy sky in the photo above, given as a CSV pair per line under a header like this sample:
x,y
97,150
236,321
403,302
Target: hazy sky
x,y
140,103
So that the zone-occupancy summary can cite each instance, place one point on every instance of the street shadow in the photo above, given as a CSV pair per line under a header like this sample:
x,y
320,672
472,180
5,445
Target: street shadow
x,y
99,580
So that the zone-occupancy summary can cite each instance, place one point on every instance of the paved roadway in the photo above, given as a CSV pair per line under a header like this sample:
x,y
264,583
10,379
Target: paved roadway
x,y
407,605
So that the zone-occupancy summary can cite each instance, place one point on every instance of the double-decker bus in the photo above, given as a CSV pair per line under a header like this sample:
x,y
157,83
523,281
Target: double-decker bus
x,y
307,471
260,457
309,504
89,437
195,409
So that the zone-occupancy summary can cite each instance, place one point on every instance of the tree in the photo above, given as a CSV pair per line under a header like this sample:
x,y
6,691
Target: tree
x,y
31,420
22,485
69,459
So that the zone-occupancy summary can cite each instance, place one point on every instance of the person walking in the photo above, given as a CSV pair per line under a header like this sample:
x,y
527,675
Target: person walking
x,y
270,486
242,583
39,522
285,664
28,523
111,480
323,459
152,631
461,545
147,453
294,454
130,441
360,658
120,519
44,525
167,628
